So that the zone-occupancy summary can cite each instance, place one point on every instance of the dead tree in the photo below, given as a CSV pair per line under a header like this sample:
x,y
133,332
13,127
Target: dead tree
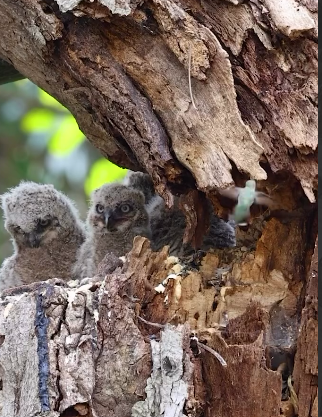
x,y
200,95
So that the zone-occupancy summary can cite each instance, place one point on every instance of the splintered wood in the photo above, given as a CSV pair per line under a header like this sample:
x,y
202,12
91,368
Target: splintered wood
x,y
119,345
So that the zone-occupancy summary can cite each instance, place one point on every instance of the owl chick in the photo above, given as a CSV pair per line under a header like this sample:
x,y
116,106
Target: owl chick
x,y
142,182
116,215
168,226
46,233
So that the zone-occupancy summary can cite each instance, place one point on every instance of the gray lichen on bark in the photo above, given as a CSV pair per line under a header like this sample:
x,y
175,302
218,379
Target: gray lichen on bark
x,y
167,388
121,7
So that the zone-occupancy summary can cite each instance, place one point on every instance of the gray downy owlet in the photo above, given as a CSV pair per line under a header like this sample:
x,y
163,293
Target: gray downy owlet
x,y
116,215
168,226
46,233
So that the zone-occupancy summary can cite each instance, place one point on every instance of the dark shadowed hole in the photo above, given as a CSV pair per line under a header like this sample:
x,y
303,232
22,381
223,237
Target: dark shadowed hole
x,y
169,366
72,412
47,10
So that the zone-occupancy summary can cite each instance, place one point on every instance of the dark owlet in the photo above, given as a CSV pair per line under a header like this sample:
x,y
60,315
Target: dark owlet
x,y
167,226
116,215
46,233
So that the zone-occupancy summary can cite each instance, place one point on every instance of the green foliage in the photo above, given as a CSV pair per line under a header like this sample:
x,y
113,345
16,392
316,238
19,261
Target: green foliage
x,y
56,122
63,137
37,120
47,100
66,138
103,171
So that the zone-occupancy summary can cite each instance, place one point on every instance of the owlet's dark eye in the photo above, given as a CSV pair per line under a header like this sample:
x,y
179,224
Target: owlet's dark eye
x,y
99,208
125,208
43,222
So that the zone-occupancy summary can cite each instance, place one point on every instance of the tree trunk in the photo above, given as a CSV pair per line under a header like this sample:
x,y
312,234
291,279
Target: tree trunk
x,y
200,95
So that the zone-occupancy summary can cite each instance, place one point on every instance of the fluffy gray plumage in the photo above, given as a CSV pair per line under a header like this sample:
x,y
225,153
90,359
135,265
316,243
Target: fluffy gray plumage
x,y
142,182
116,215
168,226
46,233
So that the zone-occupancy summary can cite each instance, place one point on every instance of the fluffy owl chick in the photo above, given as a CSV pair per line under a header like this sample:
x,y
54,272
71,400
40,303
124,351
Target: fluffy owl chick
x,y
168,226
142,182
46,233
116,215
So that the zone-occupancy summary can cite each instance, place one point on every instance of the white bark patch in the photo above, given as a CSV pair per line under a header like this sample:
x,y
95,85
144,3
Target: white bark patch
x,y
19,353
289,17
120,7
308,191
67,5
36,34
166,389
75,356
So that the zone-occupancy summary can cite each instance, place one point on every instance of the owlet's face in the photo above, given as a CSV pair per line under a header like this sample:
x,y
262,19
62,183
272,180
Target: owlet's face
x,y
37,214
117,208
40,233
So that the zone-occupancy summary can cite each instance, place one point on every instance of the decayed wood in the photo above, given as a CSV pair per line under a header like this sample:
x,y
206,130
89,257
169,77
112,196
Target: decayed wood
x,y
122,69
94,353
306,360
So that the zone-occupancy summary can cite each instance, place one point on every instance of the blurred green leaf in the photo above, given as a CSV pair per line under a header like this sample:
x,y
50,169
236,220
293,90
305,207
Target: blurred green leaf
x,y
103,171
66,138
48,100
36,120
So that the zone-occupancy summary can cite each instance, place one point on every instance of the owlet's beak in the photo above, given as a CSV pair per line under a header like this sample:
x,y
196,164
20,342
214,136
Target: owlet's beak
x,y
110,220
33,240
107,217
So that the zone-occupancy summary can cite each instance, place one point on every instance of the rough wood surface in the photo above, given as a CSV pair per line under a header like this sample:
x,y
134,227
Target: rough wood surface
x,y
122,68
104,346
306,360
167,388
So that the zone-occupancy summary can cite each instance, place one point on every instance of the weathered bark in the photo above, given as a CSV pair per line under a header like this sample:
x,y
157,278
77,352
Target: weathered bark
x,y
122,69
306,360
125,78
